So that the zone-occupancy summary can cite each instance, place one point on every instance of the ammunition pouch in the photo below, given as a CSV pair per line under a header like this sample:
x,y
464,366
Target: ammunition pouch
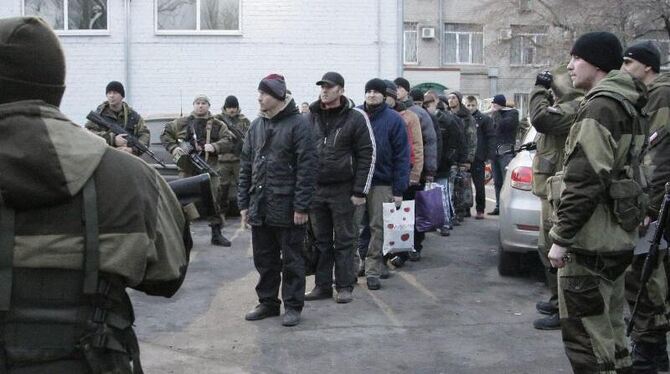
x,y
629,203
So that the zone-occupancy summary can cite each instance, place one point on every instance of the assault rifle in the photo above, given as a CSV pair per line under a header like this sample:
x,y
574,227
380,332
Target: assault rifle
x,y
198,163
650,262
133,142
508,149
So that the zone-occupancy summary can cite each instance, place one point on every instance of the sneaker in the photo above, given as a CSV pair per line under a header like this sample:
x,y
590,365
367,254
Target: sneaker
x,y
548,323
494,212
291,317
545,307
414,256
444,232
262,311
343,296
373,283
319,293
480,215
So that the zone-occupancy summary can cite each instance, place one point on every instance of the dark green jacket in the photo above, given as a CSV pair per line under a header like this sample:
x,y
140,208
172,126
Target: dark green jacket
x,y
127,118
238,126
552,123
596,156
657,158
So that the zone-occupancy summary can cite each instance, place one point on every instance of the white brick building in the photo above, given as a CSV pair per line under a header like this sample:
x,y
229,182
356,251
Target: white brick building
x,y
300,39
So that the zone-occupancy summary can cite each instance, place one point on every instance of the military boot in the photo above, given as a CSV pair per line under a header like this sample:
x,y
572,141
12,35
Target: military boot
x,y
218,238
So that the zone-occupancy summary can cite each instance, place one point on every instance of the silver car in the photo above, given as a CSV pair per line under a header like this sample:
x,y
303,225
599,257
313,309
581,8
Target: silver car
x,y
519,212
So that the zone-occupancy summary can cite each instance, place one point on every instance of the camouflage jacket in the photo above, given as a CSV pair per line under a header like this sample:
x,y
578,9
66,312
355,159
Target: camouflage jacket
x,y
597,158
238,125
140,222
469,132
657,158
552,123
126,118
193,129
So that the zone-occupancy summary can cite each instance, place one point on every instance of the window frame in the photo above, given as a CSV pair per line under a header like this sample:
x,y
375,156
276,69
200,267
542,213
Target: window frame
x,y
198,31
522,103
527,35
65,31
458,41
405,31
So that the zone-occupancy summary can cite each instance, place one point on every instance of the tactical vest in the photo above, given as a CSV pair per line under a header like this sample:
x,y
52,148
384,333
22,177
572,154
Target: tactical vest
x,y
202,131
64,321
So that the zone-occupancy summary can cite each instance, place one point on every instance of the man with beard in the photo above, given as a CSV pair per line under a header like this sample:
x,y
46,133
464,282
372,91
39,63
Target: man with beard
x,y
210,138
345,148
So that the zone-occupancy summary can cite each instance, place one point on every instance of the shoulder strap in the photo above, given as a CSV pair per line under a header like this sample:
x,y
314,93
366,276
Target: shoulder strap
x,y
91,254
6,255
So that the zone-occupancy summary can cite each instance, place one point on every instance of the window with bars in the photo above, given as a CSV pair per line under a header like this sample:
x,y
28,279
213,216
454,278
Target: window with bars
x,y
197,16
74,16
528,45
411,43
463,43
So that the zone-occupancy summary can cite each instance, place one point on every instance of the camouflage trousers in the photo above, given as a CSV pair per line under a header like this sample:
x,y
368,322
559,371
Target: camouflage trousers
x,y
591,306
651,322
543,246
229,174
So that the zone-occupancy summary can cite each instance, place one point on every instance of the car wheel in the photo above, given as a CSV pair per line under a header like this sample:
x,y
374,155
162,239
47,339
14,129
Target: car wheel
x,y
509,263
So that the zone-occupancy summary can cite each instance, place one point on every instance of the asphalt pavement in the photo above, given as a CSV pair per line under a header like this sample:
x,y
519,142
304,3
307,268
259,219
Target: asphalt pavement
x,y
448,313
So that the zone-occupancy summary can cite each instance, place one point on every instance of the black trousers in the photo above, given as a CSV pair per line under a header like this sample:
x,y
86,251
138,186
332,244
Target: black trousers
x,y
410,194
278,259
478,174
332,217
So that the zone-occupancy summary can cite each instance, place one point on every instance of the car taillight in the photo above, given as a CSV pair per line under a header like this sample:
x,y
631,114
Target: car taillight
x,y
522,178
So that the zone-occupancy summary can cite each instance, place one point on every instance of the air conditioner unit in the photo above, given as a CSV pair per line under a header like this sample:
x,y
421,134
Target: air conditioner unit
x,y
505,34
428,33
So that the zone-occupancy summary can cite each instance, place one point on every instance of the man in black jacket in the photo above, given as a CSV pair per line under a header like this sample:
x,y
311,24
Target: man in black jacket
x,y
506,122
345,146
277,175
485,150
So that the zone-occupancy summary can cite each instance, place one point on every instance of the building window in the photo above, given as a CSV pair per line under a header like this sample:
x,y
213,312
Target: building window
x,y
71,16
524,5
521,103
528,45
198,16
463,43
410,43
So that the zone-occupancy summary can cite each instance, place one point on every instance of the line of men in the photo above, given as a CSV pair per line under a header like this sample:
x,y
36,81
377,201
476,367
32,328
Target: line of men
x,y
590,171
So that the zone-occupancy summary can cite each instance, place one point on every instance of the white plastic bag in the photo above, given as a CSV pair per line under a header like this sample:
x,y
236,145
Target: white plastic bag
x,y
398,227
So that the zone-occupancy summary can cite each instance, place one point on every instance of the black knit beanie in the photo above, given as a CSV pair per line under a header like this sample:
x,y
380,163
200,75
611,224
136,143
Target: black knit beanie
x,y
416,94
377,85
231,102
402,82
32,64
274,85
116,87
646,53
601,49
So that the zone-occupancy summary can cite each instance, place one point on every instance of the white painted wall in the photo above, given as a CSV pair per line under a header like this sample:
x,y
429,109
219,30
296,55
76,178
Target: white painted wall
x,y
300,39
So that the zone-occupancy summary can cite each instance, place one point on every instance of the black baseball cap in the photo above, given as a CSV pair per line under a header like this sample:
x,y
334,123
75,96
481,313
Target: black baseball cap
x,y
331,78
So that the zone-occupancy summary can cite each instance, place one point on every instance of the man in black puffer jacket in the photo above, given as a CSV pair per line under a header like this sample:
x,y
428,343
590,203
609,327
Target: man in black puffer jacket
x,y
345,145
277,175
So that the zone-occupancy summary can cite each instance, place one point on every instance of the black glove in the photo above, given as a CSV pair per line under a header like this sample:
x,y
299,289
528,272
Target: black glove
x,y
544,79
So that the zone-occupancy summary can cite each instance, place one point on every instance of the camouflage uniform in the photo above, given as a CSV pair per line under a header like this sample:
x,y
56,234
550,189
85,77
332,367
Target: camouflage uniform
x,y
230,162
221,138
552,123
652,319
591,194
127,118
